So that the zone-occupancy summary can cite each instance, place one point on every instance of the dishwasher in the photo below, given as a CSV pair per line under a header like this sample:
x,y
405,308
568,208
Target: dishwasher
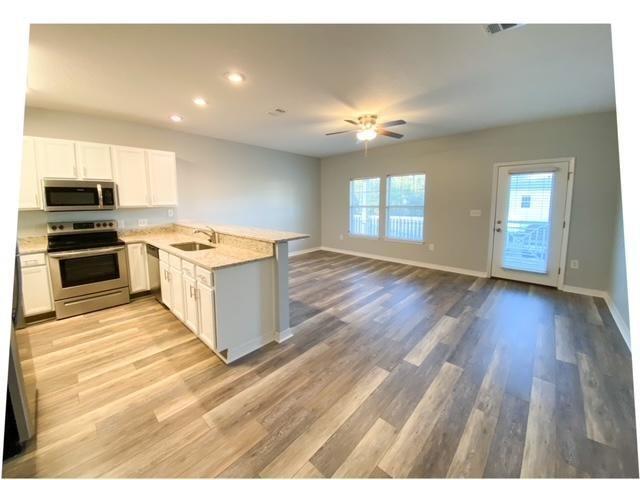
x,y
153,265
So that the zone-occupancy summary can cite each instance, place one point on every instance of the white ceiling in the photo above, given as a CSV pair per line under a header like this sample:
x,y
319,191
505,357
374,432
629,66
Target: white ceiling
x,y
441,79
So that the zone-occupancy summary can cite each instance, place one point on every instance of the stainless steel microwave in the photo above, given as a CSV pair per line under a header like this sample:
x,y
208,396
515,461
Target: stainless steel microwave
x,y
74,195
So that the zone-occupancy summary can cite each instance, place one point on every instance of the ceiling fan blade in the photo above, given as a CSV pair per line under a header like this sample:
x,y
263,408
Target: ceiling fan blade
x,y
388,133
392,123
341,131
352,122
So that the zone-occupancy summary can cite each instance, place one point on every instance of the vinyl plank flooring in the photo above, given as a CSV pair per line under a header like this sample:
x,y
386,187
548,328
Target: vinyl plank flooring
x,y
393,371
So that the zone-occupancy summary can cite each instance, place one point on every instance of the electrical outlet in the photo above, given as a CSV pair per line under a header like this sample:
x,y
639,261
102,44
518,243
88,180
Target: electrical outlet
x,y
142,222
432,247
341,237
575,264
475,213
120,223
170,212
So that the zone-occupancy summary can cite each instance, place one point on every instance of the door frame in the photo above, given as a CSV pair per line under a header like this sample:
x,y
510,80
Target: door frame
x,y
567,211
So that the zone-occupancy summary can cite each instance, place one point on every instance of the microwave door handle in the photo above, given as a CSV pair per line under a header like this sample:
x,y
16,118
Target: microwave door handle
x,y
100,204
85,253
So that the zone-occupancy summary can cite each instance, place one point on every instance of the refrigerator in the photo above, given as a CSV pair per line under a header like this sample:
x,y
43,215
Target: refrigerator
x,y
20,415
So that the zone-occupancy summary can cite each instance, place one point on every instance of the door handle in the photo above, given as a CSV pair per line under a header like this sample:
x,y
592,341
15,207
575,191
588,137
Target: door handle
x,y
498,229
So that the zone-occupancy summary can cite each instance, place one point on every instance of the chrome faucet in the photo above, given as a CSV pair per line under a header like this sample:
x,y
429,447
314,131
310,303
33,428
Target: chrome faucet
x,y
213,235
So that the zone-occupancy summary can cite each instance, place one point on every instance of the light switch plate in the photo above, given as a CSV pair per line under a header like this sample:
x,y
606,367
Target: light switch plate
x,y
341,237
575,264
170,212
432,247
475,213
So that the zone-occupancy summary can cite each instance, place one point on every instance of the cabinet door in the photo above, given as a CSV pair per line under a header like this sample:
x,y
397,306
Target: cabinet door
x,y
30,183
56,158
207,308
36,292
177,297
190,303
162,178
138,274
94,161
165,285
131,176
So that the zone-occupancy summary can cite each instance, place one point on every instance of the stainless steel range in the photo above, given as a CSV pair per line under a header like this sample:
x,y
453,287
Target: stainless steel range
x,y
88,266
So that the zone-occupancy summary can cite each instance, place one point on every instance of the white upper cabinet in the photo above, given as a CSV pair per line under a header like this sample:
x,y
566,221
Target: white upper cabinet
x,y
131,176
56,158
94,161
162,178
30,182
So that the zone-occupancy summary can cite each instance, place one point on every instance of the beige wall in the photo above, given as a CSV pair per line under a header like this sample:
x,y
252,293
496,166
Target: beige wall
x,y
218,181
459,178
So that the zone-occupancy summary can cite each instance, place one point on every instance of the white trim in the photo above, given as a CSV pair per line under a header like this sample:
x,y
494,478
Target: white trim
x,y
302,252
282,336
583,291
623,328
617,317
445,268
567,211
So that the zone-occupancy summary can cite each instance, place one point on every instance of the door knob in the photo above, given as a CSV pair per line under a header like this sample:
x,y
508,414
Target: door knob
x,y
498,229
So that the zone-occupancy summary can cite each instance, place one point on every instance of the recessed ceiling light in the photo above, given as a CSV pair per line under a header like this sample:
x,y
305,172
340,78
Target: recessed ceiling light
x,y
235,77
176,118
201,102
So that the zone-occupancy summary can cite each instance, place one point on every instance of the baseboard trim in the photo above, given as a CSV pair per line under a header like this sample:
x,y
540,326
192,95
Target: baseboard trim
x,y
282,336
615,313
302,252
583,291
433,266
617,317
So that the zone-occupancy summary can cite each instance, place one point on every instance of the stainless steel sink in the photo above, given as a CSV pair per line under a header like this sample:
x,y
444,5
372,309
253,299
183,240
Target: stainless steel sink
x,y
192,246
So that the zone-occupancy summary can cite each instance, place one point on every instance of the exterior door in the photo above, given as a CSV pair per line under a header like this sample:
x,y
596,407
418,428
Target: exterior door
x,y
529,222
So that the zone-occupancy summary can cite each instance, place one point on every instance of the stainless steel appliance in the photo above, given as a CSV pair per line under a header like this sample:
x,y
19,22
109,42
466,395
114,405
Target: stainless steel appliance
x,y
20,419
153,267
88,266
73,195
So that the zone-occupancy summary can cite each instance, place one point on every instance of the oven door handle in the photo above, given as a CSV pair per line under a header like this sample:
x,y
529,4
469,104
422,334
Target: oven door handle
x,y
85,253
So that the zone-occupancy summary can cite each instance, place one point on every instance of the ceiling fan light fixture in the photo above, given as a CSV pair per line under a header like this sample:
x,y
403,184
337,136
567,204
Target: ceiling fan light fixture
x,y
366,134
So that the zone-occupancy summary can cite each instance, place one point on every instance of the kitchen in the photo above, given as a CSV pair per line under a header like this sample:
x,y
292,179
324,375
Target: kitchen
x,y
83,266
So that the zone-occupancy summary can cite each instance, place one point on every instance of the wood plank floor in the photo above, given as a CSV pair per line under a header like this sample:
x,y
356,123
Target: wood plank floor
x,y
393,371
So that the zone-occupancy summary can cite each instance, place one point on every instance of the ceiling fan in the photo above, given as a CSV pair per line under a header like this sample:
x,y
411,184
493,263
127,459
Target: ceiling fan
x,y
368,128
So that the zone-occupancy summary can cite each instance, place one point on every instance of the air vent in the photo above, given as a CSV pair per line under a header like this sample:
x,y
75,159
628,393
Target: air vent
x,y
494,28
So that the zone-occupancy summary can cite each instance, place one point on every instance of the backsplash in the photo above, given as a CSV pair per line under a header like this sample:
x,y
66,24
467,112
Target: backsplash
x,y
35,222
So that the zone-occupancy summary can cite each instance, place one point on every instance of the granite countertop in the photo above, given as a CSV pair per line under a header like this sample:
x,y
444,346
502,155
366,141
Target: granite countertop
x,y
264,235
36,244
218,257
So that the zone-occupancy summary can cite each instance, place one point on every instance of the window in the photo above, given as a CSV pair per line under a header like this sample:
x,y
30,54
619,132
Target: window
x,y
405,207
525,201
364,207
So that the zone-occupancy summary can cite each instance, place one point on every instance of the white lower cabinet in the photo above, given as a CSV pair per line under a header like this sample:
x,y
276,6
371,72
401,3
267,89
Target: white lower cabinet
x,y
188,292
138,271
207,317
36,287
165,285
177,293
190,303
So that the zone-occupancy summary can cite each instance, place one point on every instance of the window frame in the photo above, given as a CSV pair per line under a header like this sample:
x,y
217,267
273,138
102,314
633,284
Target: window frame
x,y
350,207
424,209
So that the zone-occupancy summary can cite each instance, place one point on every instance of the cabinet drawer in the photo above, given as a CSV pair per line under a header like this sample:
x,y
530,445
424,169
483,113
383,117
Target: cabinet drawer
x,y
32,260
164,256
188,269
204,276
175,262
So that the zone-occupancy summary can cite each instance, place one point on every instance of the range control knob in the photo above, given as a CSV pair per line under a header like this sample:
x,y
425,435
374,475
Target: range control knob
x,y
111,224
61,227
54,227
